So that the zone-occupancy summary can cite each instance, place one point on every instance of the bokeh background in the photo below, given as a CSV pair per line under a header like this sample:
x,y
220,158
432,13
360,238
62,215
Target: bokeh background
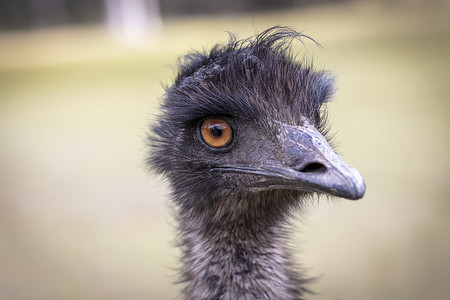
x,y
80,81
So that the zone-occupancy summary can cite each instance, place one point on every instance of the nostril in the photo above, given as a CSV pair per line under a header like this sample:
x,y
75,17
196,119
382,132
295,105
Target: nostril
x,y
314,167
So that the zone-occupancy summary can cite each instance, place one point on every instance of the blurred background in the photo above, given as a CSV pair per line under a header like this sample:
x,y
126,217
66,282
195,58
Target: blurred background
x,y
80,81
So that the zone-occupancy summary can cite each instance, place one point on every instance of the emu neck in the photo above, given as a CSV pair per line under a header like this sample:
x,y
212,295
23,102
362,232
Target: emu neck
x,y
239,253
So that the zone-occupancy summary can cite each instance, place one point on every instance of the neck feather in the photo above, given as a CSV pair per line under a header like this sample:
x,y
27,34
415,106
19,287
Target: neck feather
x,y
237,249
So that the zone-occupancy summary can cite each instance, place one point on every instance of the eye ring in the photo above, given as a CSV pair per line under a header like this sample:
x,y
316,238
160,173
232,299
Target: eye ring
x,y
216,133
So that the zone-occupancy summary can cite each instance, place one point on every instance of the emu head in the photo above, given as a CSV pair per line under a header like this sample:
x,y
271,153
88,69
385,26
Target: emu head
x,y
247,118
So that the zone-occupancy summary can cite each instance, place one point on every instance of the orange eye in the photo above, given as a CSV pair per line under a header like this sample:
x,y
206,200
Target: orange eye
x,y
216,133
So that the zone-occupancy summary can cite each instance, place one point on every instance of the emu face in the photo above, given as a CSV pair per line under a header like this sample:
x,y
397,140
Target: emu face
x,y
248,117
241,138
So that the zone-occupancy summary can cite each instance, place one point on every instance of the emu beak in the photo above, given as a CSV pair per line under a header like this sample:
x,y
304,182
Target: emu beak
x,y
305,162
312,165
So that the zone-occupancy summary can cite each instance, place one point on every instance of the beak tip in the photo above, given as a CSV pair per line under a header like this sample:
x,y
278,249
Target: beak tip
x,y
359,189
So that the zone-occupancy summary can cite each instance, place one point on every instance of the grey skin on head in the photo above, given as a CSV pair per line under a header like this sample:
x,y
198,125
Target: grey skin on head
x,y
242,139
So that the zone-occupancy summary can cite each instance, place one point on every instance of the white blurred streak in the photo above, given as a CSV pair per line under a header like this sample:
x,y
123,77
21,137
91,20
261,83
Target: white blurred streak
x,y
133,22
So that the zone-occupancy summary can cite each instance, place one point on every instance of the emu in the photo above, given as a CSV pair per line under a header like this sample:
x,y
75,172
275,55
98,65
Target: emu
x,y
242,140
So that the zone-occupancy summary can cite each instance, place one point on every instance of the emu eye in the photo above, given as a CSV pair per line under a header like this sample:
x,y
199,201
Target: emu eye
x,y
216,133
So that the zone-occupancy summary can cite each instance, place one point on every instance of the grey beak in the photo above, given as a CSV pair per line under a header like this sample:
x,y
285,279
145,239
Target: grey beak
x,y
306,163
312,165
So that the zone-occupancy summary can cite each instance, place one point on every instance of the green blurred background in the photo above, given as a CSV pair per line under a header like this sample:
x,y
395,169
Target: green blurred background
x,y
82,218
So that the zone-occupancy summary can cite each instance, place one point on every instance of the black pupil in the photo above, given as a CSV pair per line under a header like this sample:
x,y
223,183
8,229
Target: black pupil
x,y
216,131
